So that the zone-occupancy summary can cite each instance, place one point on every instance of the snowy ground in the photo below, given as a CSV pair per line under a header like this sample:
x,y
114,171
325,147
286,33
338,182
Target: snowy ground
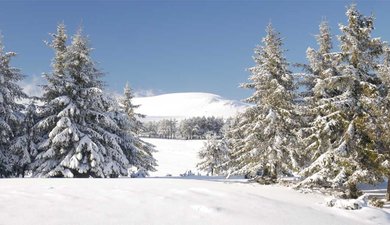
x,y
175,156
169,200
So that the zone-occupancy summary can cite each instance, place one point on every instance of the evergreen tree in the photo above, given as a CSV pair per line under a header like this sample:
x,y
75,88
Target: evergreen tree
x,y
138,152
233,138
352,154
129,108
268,126
213,156
78,134
57,80
320,116
10,111
24,147
384,72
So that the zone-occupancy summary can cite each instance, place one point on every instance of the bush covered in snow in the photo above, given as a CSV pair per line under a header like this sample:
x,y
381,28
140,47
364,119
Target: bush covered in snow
x,y
349,204
354,204
140,173
376,202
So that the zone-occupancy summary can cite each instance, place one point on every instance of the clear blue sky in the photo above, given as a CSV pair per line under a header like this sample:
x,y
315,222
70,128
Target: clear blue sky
x,y
174,46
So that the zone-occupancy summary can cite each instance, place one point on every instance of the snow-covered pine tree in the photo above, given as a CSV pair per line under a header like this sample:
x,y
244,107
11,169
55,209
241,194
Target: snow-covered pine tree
x,y
129,108
233,138
236,138
319,114
268,126
23,146
138,152
79,135
213,156
10,111
384,73
57,79
319,62
353,155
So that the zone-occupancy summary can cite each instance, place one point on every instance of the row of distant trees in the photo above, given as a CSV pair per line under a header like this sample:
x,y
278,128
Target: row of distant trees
x,y
191,128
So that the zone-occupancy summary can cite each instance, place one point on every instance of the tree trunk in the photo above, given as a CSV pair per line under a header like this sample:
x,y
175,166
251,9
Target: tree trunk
x,y
23,171
274,173
352,191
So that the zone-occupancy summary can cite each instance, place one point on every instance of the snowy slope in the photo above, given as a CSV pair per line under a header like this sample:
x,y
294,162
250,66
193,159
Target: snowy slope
x,y
175,156
184,105
167,201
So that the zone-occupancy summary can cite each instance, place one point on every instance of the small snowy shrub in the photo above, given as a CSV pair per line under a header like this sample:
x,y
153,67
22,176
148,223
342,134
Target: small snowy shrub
x,y
376,202
140,173
348,204
265,180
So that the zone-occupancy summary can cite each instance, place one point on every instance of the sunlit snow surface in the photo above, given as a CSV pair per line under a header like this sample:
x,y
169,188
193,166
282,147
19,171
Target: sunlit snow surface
x,y
185,105
175,157
169,200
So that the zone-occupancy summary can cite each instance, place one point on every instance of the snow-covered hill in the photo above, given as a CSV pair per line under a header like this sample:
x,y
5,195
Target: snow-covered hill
x,y
185,105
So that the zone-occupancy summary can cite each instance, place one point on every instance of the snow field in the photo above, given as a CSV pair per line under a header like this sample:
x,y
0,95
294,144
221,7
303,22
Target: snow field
x,y
167,201
176,200
175,157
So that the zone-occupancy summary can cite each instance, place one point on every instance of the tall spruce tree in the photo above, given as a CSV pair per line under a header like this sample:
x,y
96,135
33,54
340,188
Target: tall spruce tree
x,y
384,72
129,108
321,118
57,80
79,135
24,145
352,154
268,126
10,111
139,152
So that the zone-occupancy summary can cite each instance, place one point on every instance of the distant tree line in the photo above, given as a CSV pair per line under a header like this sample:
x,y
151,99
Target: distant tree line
x,y
191,128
